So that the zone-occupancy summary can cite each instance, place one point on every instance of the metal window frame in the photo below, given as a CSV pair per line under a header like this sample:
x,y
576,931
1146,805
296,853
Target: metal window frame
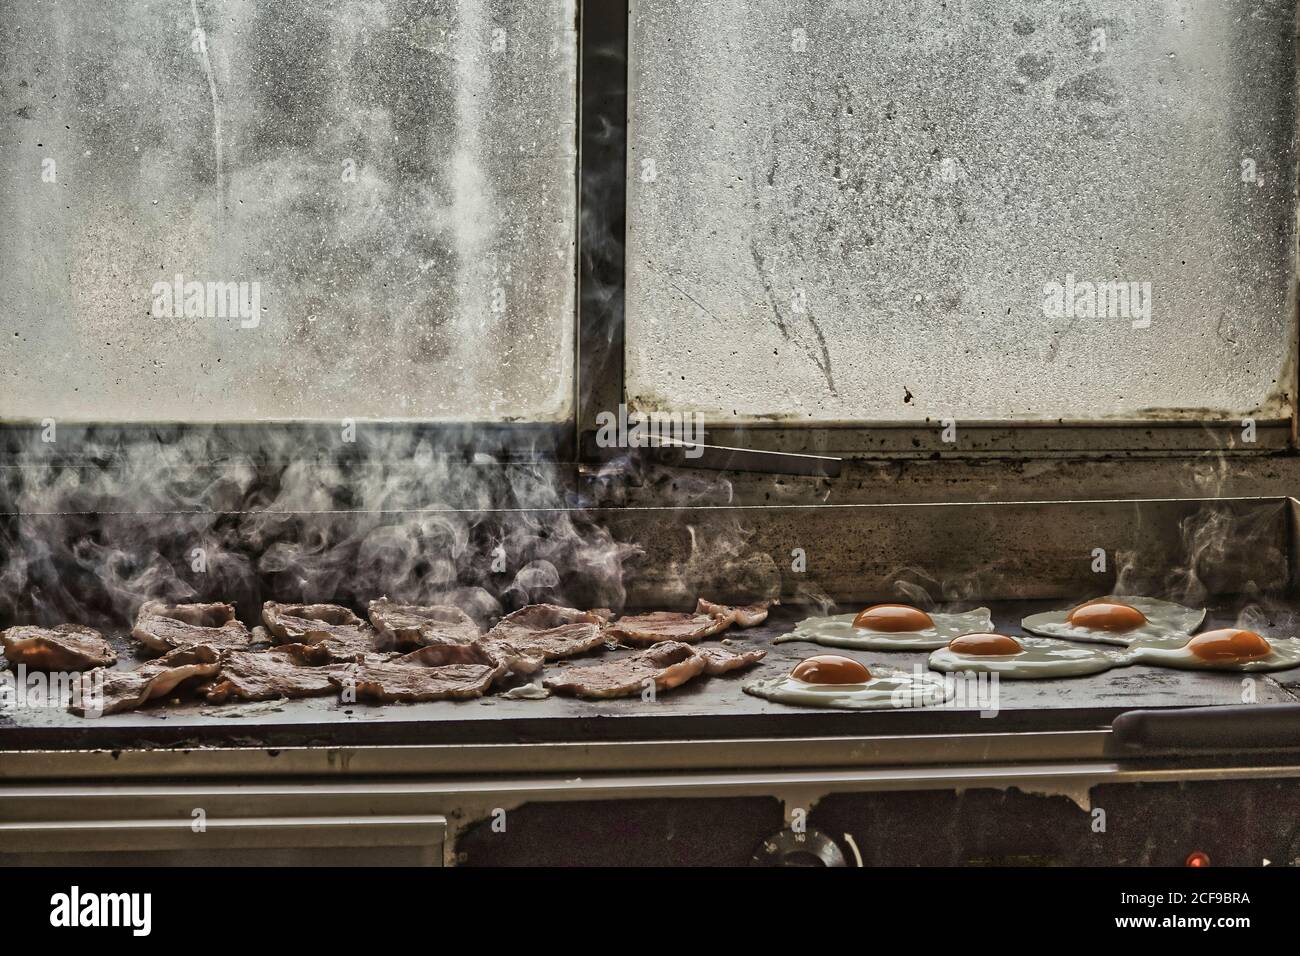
x,y
599,379
84,442
602,368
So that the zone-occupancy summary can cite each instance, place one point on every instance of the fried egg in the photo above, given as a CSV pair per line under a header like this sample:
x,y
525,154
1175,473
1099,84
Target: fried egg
x,y
1119,620
841,682
890,627
1024,658
1229,649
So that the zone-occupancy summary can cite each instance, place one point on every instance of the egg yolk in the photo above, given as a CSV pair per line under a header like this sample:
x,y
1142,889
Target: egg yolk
x,y
1229,644
985,645
893,618
1106,616
830,669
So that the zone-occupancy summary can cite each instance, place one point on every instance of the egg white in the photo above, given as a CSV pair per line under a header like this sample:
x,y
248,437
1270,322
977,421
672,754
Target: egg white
x,y
885,691
1041,659
1285,655
1167,623
838,631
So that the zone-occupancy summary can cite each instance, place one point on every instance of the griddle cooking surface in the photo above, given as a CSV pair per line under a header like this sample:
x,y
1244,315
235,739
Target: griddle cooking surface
x,y
704,708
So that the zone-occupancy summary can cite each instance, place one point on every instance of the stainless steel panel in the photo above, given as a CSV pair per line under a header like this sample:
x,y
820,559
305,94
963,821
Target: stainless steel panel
x,y
972,552
44,834
528,758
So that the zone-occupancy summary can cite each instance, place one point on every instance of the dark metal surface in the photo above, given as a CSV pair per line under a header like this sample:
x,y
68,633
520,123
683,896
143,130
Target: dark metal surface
x,y
984,439
1007,550
601,201
1194,729
712,708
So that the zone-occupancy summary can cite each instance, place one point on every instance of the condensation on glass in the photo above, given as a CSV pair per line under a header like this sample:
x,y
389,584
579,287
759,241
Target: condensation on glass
x,y
984,209
366,207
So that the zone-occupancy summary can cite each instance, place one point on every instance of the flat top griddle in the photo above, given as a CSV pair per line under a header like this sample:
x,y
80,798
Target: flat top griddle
x,y
704,708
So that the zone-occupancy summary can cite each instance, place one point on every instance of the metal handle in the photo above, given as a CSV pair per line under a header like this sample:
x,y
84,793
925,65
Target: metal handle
x,y
1253,727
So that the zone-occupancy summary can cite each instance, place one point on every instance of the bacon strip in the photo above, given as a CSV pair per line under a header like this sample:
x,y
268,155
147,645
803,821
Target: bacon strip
x,y
656,626
413,625
65,647
249,675
549,631
309,623
720,660
666,665
163,627
104,691
747,615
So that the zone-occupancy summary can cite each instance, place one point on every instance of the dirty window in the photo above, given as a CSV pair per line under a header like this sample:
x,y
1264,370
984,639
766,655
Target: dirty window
x,y
232,210
900,211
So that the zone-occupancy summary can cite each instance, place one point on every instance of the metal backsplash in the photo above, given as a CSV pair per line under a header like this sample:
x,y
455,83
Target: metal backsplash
x,y
97,567
1069,550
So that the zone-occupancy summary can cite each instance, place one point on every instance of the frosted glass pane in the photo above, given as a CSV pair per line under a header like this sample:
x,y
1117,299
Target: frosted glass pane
x,y
872,211
396,176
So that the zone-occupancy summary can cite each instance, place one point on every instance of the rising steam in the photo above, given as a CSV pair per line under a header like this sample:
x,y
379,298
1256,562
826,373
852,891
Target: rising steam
x,y
187,518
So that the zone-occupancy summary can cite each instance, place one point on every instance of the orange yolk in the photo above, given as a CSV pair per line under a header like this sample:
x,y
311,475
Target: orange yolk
x,y
1106,616
893,618
985,645
830,669
1229,644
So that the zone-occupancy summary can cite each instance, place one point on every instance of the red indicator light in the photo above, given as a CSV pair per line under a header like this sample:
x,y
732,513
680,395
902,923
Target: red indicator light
x,y
1197,858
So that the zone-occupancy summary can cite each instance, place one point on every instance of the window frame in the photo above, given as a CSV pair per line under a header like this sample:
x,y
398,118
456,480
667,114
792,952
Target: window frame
x,y
601,366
